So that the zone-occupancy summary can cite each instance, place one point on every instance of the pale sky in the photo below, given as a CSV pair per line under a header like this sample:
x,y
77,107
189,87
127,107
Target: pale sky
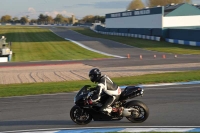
x,y
79,8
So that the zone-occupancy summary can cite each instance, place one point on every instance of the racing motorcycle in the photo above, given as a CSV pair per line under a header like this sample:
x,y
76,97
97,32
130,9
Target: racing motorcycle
x,y
135,111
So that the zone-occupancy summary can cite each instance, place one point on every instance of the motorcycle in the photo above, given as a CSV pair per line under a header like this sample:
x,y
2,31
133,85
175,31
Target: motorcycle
x,y
135,111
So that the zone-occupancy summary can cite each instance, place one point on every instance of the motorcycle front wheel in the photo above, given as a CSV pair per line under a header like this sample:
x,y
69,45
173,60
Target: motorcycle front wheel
x,y
141,113
80,116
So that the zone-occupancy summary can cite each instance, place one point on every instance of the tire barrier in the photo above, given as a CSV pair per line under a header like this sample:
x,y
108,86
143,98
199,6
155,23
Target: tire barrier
x,y
183,42
154,38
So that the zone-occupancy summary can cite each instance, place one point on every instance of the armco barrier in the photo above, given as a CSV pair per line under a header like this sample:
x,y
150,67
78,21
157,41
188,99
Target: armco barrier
x,y
183,42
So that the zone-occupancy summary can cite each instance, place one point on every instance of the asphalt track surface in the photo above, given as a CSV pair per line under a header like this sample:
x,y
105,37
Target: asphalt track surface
x,y
169,105
176,105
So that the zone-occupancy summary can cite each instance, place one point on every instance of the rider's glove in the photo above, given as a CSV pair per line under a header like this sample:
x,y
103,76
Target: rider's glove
x,y
90,101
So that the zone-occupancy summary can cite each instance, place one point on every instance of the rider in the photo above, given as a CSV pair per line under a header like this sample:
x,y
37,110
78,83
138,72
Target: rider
x,y
104,84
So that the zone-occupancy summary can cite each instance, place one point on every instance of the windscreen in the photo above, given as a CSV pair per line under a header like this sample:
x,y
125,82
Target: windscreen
x,y
83,90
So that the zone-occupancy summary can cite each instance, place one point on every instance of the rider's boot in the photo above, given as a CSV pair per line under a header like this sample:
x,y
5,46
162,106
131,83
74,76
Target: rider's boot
x,y
107,111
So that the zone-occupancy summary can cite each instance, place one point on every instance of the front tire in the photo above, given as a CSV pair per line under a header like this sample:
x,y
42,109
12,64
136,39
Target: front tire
x,y
80,116
141,114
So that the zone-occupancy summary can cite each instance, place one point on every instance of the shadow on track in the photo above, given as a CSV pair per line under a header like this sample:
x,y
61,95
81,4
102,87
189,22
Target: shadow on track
x,y
36,122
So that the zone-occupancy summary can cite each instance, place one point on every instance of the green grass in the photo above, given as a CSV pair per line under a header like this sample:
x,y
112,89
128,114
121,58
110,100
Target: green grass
x,y
161,46
37,44
69,86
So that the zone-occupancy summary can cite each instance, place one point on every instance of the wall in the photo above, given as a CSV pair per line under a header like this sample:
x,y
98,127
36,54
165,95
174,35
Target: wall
x,y
184,34
181,21
99,28
147,21
146,18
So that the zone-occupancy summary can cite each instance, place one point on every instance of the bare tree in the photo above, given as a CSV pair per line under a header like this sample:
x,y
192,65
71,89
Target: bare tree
x,y
135,4
152,3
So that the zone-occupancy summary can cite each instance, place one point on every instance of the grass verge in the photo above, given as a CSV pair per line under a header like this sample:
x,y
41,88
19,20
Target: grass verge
x,y
69,86
37,44
161,46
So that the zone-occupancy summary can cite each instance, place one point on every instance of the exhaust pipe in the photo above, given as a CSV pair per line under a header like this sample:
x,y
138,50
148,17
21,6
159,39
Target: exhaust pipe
x,y
127,112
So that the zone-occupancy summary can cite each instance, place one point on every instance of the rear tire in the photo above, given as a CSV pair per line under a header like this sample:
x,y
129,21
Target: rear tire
x,y
142,111
80,116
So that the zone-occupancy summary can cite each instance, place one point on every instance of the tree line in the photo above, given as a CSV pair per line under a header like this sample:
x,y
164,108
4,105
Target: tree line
x,y
41,19
45,19
138,4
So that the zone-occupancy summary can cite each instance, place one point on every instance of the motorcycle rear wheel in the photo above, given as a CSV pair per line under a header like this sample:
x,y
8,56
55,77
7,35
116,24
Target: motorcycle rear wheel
x,y
142,111
80,116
